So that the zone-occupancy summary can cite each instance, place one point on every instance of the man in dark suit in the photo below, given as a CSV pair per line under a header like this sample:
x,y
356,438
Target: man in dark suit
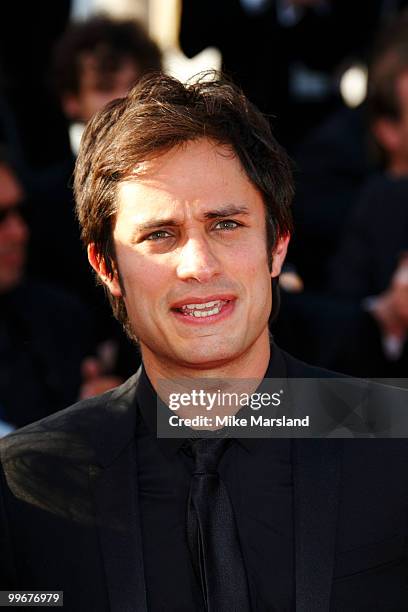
x,y
45,333
184,199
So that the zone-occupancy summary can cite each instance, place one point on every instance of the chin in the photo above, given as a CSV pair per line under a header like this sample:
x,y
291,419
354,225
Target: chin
x,y
201,357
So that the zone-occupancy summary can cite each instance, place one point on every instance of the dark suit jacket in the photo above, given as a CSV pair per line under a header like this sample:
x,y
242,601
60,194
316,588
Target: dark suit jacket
x,y
70,516
376,236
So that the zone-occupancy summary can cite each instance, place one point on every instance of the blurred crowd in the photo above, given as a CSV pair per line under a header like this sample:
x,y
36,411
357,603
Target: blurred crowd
x,y
344,290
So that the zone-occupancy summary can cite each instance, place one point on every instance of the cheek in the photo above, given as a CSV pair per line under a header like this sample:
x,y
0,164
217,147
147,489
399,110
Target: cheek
x,y
253,262
260,277
146,283
252,270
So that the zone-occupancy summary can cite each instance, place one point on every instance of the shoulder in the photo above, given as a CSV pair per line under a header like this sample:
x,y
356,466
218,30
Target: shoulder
x,y
85,433
340,406
49,463
299,369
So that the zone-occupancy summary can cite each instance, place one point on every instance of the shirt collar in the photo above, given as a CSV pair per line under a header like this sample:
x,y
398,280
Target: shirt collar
x,y
276,369
146,398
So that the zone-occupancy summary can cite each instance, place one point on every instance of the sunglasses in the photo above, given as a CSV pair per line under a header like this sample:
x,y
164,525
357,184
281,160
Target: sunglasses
x,y
21,210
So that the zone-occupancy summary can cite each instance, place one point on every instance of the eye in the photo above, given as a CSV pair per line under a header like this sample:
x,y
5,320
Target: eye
x,y
227,224
159,235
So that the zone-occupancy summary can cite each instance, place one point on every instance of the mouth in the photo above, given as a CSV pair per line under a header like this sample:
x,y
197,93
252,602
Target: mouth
x,y
209,311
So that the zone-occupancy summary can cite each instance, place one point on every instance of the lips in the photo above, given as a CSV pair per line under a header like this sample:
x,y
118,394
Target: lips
x,y
200,303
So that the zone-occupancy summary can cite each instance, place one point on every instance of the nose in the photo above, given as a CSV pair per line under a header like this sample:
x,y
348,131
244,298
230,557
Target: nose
x,y
197,261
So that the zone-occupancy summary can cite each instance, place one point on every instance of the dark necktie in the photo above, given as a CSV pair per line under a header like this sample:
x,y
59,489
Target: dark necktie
x,y
212,534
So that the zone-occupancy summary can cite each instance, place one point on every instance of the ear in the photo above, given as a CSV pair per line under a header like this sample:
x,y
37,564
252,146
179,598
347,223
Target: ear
x,y
388,134
279,254
99,265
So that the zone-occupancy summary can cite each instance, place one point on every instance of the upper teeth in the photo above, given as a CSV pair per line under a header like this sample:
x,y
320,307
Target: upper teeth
x,y
201,306
203,310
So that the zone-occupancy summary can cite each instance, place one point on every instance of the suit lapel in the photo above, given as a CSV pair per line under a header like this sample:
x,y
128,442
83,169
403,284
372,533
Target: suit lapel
x,y
115,493
113,482
316,488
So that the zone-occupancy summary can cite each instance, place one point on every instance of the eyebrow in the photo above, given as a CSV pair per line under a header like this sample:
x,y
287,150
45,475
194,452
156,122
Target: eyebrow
x,y
217,213
227,211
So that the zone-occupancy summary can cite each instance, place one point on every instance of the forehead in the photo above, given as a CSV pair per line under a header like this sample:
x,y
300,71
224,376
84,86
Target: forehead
x,y
199,173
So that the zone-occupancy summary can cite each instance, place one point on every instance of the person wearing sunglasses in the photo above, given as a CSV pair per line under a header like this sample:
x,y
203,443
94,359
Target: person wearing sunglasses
x,y
45,333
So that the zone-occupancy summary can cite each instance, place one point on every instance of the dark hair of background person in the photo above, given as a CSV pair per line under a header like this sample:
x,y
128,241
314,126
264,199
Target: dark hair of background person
x,y
110,42
389,60
158,114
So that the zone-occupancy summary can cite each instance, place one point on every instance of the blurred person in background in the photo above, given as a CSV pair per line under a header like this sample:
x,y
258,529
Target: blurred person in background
x,y
334,158
99,60
45,334
371,266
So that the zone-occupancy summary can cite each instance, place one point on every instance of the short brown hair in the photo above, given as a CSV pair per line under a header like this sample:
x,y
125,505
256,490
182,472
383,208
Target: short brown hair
x,y
158,114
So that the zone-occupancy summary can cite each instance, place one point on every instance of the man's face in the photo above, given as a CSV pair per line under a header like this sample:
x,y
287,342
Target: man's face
x,y
96,89
190,242
13,232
